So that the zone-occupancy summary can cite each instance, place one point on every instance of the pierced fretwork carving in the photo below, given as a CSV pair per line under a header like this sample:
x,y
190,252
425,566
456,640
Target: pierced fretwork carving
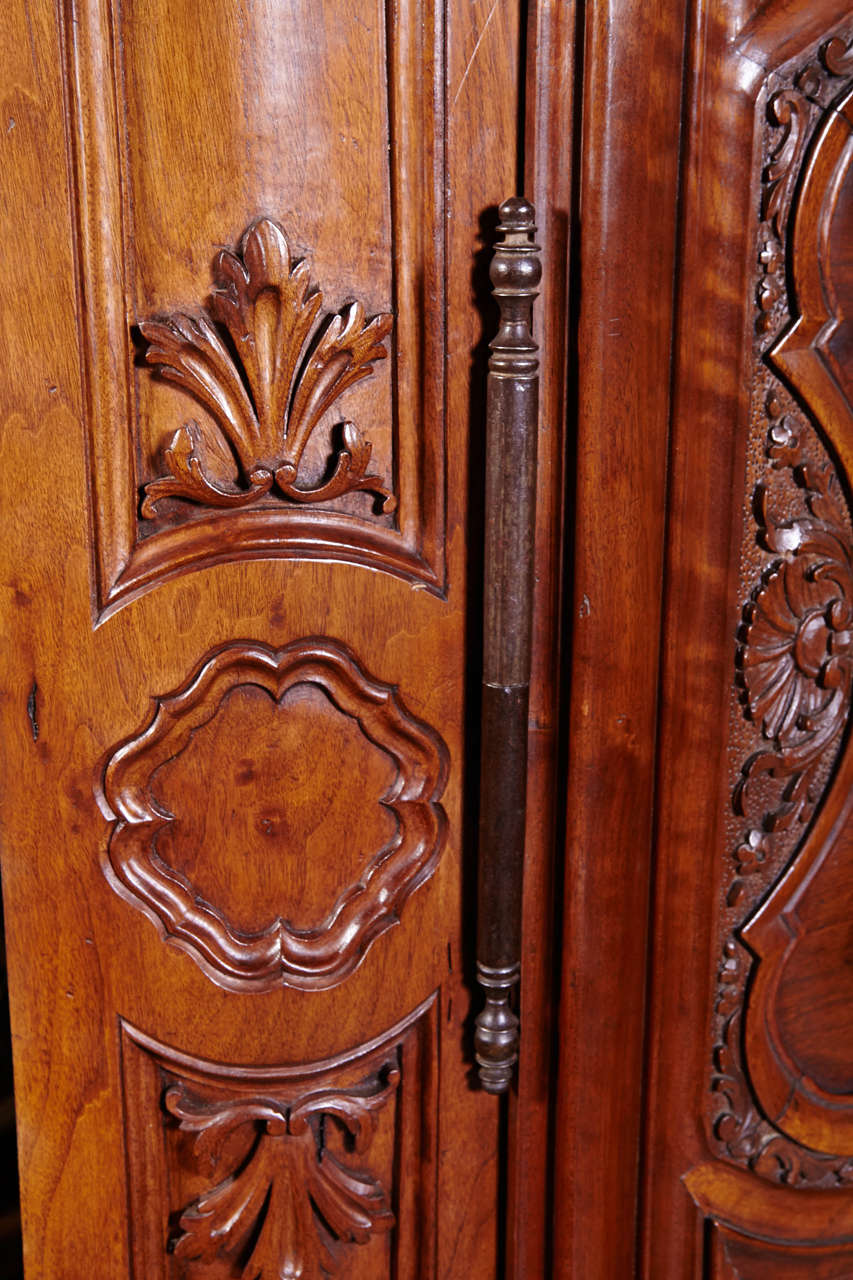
x,y
266,399
289,1207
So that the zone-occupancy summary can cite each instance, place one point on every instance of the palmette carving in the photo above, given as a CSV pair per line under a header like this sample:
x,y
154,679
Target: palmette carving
x,y
310,1169
290,1207
316,957
266,400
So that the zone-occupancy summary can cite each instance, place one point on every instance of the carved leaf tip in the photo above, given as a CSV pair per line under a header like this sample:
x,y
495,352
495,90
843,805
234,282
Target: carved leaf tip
x,y
291,1205
265,405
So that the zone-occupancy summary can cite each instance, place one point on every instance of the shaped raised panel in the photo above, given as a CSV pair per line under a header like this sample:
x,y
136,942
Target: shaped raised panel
x,y
282,1171
325,121
738,1257
275,813
783,1065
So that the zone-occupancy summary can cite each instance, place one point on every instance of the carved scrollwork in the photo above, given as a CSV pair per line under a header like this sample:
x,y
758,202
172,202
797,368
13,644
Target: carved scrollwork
x,y
744,1133
837,56
249,373
290,1206
794,657
788,110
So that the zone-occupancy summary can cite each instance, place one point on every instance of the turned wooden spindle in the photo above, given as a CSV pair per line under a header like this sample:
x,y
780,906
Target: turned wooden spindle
x,y
511,411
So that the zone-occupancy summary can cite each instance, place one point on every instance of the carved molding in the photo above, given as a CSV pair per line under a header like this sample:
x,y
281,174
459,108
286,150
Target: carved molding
x,y
280,954
294,1200
308,1170
795,650
265,399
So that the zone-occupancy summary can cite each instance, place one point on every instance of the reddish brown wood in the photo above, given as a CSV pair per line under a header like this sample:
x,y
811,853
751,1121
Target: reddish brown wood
x,y
265,638
265,406
628,178
147,142
743,757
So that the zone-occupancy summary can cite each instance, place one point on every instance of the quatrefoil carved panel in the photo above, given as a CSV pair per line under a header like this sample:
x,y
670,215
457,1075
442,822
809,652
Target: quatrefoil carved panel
x,y
279,953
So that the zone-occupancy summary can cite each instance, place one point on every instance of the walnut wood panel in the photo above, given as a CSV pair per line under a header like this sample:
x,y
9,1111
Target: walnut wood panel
x,y
755,693
208,794
85,671
756,1230
323,1169
360,110
627,191
796,1034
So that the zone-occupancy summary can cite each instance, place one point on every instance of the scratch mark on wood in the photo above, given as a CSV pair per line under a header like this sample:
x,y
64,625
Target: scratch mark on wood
x,y
32,711
474,53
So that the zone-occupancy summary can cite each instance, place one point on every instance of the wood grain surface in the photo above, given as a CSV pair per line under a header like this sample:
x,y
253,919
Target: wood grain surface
x,y
244,316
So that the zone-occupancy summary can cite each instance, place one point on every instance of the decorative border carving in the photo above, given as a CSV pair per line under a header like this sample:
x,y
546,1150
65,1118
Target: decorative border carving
x,y
287,1170
280,954
411,545
794,654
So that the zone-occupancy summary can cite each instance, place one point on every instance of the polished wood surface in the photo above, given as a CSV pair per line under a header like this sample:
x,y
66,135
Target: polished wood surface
x,y
245,314
627,196
238,882
512,420
754,684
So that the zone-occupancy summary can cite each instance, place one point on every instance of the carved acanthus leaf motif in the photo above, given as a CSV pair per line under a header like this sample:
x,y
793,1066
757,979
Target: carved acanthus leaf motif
x,y
796,659
789,111
290,1206
266,400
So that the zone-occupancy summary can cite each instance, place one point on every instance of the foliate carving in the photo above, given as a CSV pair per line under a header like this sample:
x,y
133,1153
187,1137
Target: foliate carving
x,y
794,659
788,110
310,1170
315,957
739,1126
265,399
793,105
290,1206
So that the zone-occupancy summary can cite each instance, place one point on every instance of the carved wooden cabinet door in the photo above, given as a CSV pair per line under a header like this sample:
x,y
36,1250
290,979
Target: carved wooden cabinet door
x,y
706,995
741,1094
240,632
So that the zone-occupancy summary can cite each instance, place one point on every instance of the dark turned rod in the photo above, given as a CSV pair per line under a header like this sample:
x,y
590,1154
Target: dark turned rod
x,y
511,423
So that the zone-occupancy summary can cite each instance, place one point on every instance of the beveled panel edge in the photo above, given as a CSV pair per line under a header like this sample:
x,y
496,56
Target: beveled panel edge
x,y
277,955
124,566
